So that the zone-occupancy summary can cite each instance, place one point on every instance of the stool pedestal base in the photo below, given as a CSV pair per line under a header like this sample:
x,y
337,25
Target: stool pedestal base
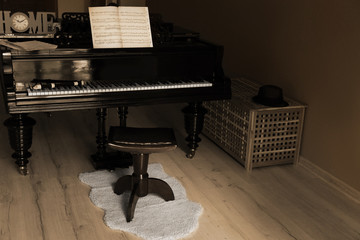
x,y
141,185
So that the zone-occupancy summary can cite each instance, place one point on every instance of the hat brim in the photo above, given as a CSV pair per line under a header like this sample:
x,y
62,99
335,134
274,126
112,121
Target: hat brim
x,y
267,102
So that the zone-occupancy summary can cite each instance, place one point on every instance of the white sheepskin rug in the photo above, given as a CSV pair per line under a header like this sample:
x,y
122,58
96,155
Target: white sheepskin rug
x,y
154,218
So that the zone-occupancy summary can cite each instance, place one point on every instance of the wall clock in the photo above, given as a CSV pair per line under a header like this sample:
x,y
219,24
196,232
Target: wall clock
x,y
19,22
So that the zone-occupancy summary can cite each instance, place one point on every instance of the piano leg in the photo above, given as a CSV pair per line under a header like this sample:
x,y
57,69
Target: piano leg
x,y
194,121
103,159
20,128
125,157
99,156
122,112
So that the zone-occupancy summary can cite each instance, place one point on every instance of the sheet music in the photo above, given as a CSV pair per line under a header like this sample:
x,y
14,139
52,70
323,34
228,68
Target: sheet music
x,y
135,27
117,27
105,27
28,45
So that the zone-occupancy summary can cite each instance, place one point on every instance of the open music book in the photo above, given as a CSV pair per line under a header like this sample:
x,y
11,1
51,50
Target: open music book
x,y
120,27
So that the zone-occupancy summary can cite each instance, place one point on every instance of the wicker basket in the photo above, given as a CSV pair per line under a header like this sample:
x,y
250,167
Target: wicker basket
x,y
255,135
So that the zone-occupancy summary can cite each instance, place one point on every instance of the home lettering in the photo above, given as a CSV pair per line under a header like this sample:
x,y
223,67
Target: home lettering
x,y
39,23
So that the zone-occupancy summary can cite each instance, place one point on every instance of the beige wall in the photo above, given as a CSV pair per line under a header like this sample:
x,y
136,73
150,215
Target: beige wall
x,y
310,48
72,6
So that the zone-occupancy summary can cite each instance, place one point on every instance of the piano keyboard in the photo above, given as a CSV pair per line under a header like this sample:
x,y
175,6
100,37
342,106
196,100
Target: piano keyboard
x,y
100,87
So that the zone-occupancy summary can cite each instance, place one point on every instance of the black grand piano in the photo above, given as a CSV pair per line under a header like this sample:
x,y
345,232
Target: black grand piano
x,y
179,68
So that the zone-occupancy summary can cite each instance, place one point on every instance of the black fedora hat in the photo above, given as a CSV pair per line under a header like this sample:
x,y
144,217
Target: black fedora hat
x,y
270,95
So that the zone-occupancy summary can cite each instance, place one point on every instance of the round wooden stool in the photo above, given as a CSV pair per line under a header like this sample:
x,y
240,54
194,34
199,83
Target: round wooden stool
x,y
140,142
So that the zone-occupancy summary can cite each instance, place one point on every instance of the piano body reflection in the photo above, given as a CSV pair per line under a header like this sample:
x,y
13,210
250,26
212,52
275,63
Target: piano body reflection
x,y
183,70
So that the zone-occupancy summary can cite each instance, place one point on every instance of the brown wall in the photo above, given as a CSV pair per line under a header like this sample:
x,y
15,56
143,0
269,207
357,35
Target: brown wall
x,y
29,5
310,48
72,6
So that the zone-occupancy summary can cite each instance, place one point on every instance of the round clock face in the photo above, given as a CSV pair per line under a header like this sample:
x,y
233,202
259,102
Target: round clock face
x,y
19,22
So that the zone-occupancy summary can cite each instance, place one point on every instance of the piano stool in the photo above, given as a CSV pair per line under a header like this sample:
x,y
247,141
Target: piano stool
x,y
141,142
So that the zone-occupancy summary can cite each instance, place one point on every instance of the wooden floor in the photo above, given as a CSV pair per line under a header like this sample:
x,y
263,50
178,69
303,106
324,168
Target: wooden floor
x,y
281,202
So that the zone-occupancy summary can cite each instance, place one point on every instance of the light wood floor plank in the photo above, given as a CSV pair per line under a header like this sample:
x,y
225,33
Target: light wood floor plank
x,y
279,202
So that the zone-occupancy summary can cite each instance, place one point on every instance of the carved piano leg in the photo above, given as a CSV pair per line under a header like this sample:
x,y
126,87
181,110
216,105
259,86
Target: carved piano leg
x,y
194,121
20,134
125,157
101,140
122,112
103,159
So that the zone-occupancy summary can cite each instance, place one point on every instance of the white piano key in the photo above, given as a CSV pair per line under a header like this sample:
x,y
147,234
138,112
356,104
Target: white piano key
x,y
104,87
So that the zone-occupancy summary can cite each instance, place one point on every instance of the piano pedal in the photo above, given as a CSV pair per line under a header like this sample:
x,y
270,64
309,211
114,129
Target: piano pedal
x,y
190,154
23,170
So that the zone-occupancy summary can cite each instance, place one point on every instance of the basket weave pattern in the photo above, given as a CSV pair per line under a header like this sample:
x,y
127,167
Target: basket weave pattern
x,y
255,135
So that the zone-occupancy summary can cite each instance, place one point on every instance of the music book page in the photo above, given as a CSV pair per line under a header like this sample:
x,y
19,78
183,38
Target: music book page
x,y
120,27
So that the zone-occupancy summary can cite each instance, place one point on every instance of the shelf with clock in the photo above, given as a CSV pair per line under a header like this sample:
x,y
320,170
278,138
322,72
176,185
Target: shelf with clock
x,y
27,24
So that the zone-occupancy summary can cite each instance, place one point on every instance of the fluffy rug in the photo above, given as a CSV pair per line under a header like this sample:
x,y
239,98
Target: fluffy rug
x,y
154,218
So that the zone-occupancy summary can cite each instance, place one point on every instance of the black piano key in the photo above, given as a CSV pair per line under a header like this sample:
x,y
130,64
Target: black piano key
x,y
102,87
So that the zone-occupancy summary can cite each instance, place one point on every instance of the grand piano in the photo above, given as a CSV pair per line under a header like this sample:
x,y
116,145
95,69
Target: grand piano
x,y
181,67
